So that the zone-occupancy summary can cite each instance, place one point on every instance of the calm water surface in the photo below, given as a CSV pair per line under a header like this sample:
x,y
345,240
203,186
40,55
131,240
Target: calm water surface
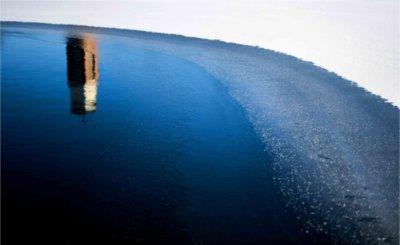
x,y
108,144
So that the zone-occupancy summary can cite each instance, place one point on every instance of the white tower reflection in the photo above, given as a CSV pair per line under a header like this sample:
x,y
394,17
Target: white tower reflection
x,y
82,73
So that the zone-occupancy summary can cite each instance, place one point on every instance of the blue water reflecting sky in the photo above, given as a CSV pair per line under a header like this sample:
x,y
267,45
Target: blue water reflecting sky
x,y
104,143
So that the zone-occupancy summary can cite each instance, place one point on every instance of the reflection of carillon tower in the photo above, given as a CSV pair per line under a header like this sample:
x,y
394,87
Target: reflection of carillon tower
x,y
82,73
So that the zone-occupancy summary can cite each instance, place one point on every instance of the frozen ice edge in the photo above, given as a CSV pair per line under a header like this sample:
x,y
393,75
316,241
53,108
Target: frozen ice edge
x,y
335,144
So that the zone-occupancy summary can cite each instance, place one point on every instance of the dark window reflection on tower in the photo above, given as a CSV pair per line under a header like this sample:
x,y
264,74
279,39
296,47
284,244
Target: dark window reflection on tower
x,y
82,73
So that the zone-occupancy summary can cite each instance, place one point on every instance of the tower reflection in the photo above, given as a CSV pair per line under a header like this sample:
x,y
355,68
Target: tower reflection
x,y
82,73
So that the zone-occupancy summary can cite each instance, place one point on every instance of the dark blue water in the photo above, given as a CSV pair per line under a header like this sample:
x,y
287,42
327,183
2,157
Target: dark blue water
x,y
103,143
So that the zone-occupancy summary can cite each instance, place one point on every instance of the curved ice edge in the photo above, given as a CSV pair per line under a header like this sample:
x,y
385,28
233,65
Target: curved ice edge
x,y
335,144
173,36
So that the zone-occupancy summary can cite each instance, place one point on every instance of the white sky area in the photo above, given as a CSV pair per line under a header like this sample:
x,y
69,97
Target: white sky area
x,y
357,39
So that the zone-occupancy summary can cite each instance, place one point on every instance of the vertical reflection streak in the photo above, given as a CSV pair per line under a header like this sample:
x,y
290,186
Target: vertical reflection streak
x,y
82,73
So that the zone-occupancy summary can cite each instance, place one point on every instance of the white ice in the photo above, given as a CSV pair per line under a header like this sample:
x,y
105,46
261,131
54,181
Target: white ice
x,y
357,39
